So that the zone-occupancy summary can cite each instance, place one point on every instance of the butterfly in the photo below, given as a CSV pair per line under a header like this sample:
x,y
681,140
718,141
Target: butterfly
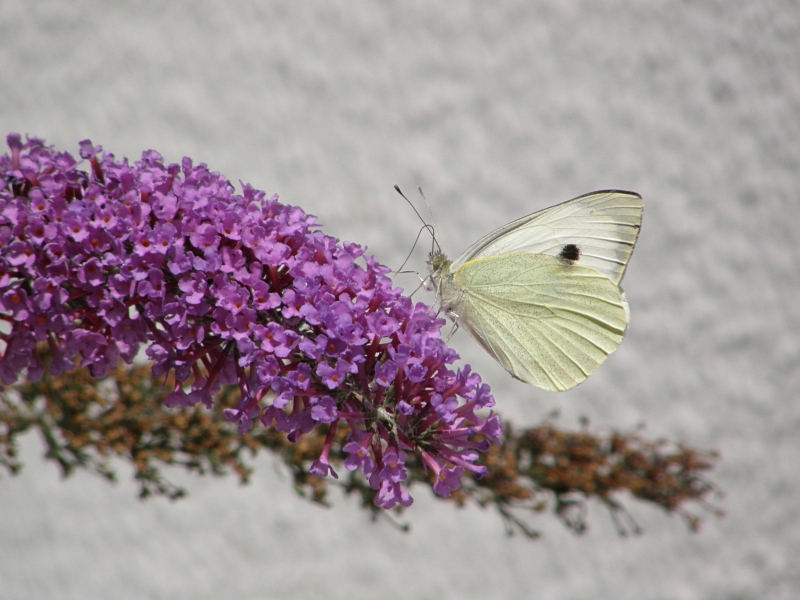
x,y
542,294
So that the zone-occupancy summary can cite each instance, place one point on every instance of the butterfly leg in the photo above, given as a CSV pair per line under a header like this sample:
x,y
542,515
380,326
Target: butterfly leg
x,y
452,332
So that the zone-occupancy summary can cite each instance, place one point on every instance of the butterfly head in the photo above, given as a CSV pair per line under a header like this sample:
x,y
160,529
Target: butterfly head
x,y
438,263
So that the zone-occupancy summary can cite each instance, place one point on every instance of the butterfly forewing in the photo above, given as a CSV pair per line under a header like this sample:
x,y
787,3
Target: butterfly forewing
x,y
603,225
549,322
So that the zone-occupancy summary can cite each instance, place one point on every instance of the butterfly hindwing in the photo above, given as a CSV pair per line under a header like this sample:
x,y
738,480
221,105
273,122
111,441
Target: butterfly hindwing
x,y
549,322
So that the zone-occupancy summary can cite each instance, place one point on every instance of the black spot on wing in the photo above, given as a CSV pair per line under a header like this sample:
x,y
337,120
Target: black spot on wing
x,y
570,252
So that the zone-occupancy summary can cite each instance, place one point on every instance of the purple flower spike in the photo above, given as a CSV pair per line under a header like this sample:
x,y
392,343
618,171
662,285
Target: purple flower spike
x,y
100,258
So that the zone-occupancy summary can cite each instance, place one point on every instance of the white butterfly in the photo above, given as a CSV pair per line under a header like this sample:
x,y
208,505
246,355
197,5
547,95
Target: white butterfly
x,y
542,294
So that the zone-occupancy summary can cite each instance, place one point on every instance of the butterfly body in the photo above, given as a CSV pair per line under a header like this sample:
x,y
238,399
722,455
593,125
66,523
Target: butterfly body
x,y
541,295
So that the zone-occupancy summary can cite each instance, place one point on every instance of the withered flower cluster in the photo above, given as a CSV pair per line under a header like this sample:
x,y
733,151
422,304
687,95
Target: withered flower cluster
x,y
86,423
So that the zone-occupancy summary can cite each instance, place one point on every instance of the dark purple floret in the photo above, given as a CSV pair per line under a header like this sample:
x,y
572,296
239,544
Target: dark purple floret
x,y
102,258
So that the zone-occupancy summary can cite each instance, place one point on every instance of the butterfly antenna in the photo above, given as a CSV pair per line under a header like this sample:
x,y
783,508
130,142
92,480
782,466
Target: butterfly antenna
x,y
425,224
434,247
400,268
430,214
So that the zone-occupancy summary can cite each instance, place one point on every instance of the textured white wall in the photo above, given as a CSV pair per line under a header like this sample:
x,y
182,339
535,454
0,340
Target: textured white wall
x,y
497,110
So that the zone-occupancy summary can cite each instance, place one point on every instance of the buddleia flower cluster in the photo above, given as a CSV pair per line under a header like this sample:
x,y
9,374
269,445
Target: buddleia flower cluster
x,y
99,258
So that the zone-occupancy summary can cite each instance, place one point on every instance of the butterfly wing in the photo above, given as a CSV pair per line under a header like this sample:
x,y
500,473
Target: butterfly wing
x,y
603,225
549,322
